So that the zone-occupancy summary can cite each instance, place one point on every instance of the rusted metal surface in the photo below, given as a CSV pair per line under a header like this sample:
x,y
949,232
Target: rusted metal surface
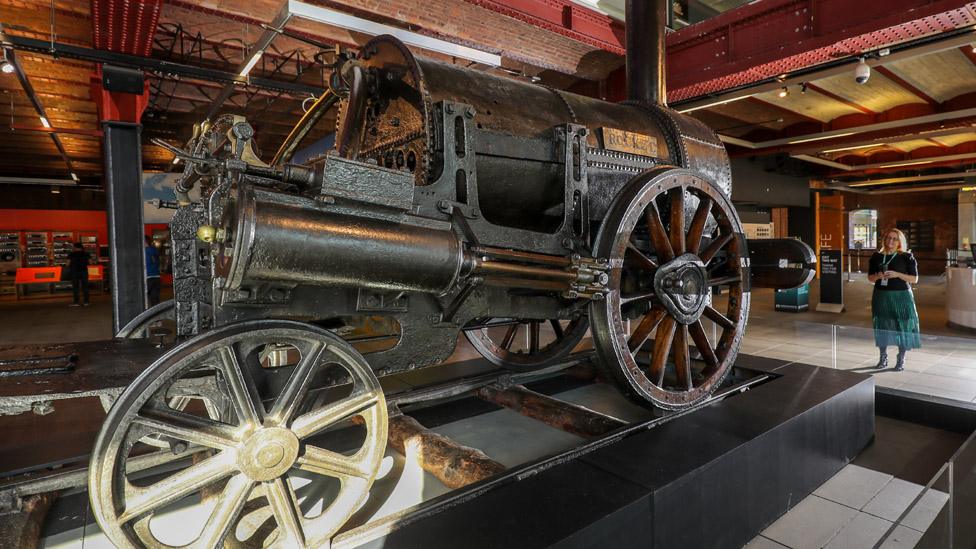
x,y
21,528
453,464
556,413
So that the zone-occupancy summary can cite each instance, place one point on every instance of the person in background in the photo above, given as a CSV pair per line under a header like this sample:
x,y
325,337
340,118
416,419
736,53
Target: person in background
x,y
892,269
78,273
152,272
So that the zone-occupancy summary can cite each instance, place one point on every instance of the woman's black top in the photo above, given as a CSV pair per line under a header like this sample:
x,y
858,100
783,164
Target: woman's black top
x,y
903,262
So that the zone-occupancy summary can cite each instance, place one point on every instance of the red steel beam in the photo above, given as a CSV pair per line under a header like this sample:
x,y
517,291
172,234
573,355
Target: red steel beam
x,y
764,39
124,26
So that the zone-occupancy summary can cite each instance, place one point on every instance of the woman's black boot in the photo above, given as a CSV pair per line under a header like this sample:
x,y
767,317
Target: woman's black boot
x,y
900,362
883,360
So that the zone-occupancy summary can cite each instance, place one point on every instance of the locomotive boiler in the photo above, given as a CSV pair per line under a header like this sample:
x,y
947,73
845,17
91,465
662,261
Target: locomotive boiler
x,y
454,202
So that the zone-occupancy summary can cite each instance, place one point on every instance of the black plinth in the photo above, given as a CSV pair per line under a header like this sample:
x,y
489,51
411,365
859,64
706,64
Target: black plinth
x,y
712,478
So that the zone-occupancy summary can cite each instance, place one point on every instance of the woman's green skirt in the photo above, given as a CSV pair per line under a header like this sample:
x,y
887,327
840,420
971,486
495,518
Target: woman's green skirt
x,y
895,319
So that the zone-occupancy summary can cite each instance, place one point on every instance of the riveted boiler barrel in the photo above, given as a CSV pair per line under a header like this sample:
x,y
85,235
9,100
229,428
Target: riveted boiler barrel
x,y
518,156
280,238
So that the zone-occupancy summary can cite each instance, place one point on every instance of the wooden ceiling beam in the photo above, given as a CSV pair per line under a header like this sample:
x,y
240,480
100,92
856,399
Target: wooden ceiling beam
x,y
838,98
785,111
906,85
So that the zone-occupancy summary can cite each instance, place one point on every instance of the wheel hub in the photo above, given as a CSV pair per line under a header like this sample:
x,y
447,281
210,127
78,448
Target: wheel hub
x,y
268,453
682,287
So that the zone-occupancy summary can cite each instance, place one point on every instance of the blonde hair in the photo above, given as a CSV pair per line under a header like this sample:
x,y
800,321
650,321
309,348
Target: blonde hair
x,y
902,241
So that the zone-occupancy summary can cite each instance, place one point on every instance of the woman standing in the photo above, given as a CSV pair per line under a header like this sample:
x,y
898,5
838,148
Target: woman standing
x,y
891,270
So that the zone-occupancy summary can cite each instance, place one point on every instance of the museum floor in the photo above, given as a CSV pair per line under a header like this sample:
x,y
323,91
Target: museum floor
x,y
855,509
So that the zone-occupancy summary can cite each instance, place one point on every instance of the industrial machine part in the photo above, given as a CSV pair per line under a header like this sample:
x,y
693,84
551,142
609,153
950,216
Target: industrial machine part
x,y
455,201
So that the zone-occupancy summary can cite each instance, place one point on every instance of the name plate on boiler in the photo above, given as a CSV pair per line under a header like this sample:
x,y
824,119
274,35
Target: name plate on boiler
x,y
628,142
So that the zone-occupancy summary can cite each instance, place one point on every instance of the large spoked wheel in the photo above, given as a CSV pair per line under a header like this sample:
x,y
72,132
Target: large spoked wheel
x,y
670,237
526,345
287,467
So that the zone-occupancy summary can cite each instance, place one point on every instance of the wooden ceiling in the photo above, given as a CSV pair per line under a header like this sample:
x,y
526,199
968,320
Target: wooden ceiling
x,y
914,116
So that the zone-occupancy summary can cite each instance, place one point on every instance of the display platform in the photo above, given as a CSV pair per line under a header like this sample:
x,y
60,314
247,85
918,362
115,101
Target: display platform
x,y
710,478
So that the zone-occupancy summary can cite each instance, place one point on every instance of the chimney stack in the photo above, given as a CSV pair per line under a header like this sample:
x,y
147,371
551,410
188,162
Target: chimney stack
x,y
646,22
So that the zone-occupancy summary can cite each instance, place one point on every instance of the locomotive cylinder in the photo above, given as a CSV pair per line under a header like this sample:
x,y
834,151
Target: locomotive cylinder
x,y
298,241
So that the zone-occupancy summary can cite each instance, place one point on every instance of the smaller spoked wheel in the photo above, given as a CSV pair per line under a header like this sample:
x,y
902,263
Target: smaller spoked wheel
x,y
671,237
287,463
525,345
162,316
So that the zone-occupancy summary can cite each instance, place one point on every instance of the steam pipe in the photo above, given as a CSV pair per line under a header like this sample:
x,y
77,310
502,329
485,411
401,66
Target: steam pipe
x,y
646,22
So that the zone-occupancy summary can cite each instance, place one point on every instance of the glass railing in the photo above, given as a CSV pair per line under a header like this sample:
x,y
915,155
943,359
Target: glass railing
x,y
935,365
941,515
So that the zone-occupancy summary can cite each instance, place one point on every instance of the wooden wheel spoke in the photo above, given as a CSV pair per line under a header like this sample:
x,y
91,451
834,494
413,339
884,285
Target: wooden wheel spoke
x,y
714,247
704,347
697,228
243,392
647,324
662,347
534,336
287,403
285,511
229,507
718,318
557,328
139,501
326,462
682,362
662,244
187,427
731,279
312,422
641,258
678,220
510,336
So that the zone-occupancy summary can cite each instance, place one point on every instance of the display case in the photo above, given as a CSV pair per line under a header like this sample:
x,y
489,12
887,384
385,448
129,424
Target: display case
x,y
9,262
37,249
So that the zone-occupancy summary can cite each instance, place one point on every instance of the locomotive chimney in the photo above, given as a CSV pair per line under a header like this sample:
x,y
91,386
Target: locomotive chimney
x,y
646,21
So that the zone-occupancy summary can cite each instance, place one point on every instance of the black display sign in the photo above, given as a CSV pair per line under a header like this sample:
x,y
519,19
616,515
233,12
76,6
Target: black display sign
x,y
831,280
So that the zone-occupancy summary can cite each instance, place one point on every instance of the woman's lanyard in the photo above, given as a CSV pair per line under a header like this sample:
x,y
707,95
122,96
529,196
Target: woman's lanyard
x,y
885,261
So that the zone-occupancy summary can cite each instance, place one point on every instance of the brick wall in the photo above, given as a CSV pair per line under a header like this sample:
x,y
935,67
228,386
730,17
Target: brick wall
x,y
510,37
941,207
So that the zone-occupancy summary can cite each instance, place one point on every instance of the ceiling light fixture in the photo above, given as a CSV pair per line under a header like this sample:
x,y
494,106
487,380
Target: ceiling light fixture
x,y
250,64
45,123
715,104
55,190
784,92
820,138
903,164
73,176
176,160
6,66
855,147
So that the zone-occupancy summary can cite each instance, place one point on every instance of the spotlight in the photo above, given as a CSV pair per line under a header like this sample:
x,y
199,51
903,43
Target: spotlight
x,y
784,92
6,66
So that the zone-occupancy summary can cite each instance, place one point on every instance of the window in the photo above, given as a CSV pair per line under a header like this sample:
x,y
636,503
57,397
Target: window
x,y
863,229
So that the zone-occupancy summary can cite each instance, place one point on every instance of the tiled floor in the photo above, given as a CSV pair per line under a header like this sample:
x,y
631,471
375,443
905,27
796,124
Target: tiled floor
x,y
855,509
